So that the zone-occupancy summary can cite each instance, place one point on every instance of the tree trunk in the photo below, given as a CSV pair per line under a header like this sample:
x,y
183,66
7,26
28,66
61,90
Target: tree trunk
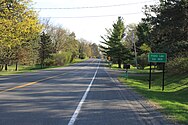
x,y
42,59
16,69
1,67
119,63
42,63
6,67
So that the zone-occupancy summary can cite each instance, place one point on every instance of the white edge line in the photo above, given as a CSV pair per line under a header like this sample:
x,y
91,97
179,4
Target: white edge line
x,y
76,112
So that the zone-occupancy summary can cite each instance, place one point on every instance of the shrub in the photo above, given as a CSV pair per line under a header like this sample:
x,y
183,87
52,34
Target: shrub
x,y
49,62
62,58
178,65
82,56
142,61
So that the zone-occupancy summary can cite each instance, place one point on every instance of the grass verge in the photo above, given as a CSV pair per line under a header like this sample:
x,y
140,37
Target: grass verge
x,y
24,68
173,100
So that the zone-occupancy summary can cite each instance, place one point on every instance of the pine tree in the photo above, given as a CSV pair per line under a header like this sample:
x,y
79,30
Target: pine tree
x,y
114,45
169,24
46,46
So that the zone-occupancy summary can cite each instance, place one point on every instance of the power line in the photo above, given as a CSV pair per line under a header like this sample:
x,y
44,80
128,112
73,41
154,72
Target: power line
x,y
95,16
93,7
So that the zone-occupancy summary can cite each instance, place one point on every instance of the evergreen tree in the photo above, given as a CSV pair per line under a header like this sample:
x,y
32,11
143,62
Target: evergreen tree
x,y
45,50
143,44
114,45
169,26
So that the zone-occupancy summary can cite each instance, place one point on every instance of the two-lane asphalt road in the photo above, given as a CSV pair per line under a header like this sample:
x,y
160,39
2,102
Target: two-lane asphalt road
x,y
81,94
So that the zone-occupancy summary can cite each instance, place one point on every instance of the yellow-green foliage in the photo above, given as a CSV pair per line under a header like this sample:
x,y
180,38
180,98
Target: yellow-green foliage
x,y
61,58
17,23
19,26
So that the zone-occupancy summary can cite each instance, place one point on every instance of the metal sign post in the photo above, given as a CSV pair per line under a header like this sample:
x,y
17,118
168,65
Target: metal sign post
x,y
163,76
150,76
126,67
159,58
126,74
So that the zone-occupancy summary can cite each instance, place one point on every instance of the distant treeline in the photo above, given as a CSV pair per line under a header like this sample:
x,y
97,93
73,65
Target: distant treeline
x,y
26,40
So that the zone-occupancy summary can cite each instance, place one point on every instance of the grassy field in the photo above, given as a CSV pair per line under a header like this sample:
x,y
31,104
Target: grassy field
x,y
173,101
23,68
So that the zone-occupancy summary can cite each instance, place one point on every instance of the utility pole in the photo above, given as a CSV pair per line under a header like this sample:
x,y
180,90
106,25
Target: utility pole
x,y
135,53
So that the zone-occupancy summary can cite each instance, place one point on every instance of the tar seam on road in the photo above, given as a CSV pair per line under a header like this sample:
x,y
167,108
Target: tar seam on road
x,y
74,116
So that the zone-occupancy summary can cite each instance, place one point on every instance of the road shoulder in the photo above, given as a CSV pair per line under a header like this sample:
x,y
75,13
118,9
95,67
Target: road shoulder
x,y
152,108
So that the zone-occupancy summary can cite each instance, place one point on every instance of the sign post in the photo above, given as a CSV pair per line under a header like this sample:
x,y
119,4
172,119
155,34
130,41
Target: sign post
x,y
159,58
126,66
150,76
163,76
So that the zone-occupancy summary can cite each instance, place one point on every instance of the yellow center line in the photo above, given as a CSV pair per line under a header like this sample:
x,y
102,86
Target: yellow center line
x,y
30,83
35,82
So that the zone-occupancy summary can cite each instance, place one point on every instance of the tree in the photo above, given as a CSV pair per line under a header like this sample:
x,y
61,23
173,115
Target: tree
x,y
28,53
114,46
84,51
169,27
72,45
18,25
95,50
132,40
143,44
45,48
63,40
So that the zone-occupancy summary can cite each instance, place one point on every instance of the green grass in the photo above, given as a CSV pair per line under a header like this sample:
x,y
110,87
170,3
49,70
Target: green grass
x,y
21,69
79,60
173,100
24,69
115,66
134,70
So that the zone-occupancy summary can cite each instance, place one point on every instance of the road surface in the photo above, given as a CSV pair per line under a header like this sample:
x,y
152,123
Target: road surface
x,y
81,94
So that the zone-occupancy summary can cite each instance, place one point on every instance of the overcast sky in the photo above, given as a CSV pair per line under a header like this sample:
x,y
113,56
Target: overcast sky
x,y
89,18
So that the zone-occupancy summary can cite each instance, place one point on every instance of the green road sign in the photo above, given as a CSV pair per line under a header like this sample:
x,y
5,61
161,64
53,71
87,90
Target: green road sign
x,y
157,57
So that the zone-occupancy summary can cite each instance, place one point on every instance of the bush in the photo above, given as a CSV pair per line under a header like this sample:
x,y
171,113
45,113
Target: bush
x,y
142,61
49,62
62,58
82,56
178,65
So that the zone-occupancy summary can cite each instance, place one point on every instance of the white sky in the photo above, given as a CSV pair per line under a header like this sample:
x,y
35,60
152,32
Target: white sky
x,y
91,28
